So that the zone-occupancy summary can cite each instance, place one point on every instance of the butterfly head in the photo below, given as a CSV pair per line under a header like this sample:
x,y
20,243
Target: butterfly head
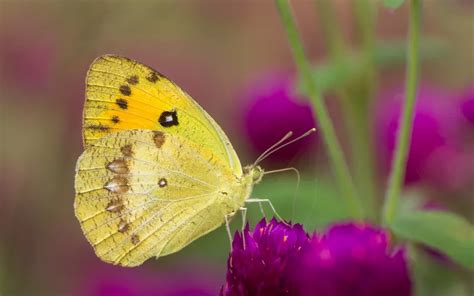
x,y
255,172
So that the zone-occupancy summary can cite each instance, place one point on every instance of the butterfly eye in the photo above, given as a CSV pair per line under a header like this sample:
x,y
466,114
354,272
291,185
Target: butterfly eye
x,y
168,118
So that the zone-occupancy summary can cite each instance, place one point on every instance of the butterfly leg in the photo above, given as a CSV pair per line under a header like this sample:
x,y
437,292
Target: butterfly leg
x,y
262,210
260,200
227,227
298,181
244,220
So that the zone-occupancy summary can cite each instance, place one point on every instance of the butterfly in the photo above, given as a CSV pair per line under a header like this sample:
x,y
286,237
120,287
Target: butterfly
x,y
157,171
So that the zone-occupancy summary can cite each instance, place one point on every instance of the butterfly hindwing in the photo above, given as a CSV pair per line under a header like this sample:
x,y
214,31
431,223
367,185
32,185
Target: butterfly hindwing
x,y
122,94
142,193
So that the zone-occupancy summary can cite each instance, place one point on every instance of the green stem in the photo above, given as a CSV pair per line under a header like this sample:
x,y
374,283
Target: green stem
x,y
356,96
363,152
327,129
365,16
397,173
331,31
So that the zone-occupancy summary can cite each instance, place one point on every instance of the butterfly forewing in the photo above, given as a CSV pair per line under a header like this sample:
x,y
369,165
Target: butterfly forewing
x,y
122,94
146,193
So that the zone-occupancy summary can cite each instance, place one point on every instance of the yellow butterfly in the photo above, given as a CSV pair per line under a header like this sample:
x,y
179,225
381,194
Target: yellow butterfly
x,y
157,171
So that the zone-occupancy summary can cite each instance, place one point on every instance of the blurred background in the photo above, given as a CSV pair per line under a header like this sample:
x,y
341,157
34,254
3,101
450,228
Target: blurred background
x,y
234,59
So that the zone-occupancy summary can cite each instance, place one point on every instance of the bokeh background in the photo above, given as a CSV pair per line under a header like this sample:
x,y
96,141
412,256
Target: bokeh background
x,y
233,58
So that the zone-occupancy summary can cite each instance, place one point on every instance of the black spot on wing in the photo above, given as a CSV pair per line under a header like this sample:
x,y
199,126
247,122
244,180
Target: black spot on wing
x,y
125,90
153,76
115,119
135,239
158,138
122,103
126,150
133,80
168,118
99,127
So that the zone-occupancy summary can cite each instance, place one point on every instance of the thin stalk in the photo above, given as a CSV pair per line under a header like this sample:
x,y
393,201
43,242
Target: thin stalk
x,y
355,98
365,19
331,31
363,152
334,149
397,173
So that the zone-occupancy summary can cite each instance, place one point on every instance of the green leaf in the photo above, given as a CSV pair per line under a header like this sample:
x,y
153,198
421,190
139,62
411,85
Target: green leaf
x,y
443,231
394,4
392,52
332,75
433,278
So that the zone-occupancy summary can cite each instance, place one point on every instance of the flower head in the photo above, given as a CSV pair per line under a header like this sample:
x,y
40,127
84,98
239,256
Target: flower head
x,y
434,125
467,105
353,259
450,168
272,110
260,261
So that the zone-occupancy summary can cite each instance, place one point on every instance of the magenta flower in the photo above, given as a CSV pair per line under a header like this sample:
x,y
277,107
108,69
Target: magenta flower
x,y
434,127
353,259
467,106
261,263
450,167
349,259
272,110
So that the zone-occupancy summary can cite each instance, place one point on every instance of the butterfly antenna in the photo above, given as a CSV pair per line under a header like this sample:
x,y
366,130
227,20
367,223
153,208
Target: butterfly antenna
x,y
278,145
263,155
